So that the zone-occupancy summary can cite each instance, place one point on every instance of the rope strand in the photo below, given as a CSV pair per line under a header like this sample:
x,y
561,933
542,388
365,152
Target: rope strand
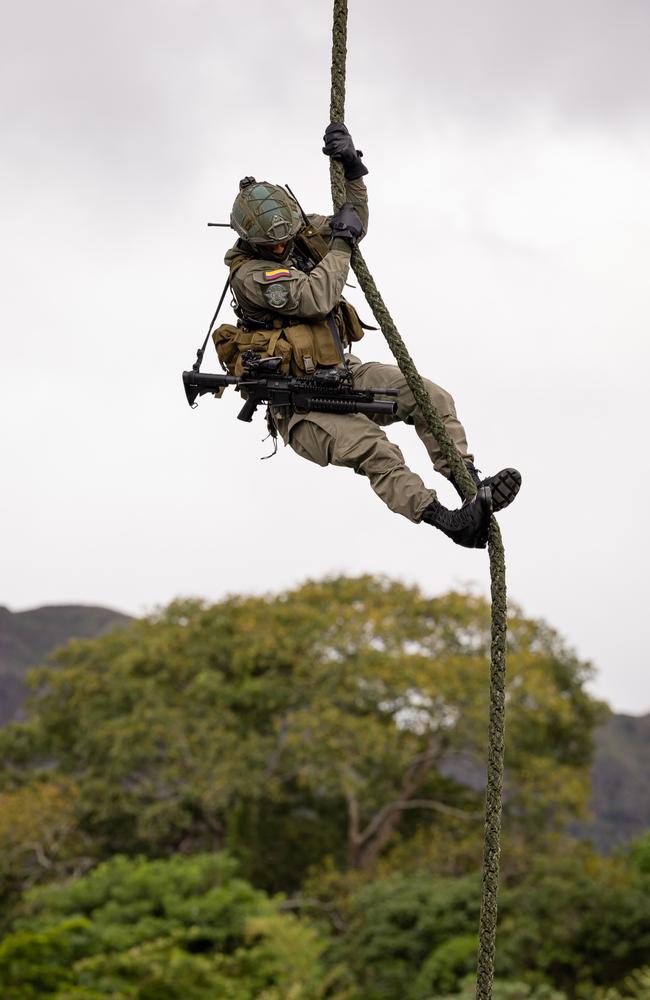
x,y
496,728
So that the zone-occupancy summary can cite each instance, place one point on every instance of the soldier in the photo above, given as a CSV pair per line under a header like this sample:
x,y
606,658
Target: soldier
x,y
287,274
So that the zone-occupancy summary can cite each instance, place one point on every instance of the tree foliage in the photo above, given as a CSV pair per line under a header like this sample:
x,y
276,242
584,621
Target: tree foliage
x,y
332,738
178,929
410,937
579,921
343,717
638,853
39,836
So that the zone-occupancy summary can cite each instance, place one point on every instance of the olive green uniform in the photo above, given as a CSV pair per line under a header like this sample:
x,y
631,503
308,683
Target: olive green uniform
x,y
308,296
267,291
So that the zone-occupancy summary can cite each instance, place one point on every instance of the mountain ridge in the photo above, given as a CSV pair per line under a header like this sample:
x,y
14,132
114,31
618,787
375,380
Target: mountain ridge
x,y
28,637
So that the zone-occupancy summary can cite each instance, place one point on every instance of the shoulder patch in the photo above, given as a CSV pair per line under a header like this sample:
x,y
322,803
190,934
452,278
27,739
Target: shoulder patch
x,y
277,296
277,272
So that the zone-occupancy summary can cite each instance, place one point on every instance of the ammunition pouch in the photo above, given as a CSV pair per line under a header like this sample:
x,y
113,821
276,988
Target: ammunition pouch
x,y
353,328
303,347
232,341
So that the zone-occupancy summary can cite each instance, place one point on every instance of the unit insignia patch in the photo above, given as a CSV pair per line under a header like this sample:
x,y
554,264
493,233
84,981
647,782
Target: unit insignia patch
x,y
277,296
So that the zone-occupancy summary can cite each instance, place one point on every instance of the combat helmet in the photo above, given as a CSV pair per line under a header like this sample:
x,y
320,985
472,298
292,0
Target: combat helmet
x,y
264,214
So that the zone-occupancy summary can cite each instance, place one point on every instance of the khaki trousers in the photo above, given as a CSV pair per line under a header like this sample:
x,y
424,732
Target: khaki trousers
x,y
357,441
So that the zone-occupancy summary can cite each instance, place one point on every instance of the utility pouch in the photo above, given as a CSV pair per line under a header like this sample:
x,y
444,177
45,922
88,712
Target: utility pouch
x,y
225,345
231,342
302,346
352,325
301,339
312,344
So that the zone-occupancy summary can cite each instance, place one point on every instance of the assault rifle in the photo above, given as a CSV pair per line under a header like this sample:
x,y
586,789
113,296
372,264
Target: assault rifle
x,y
328,390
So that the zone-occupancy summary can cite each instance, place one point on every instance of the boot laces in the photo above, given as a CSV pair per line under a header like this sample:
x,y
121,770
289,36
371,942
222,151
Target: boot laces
x,y
454,520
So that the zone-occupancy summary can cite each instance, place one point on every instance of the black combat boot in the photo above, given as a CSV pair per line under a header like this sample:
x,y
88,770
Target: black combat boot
x,y
467,526
503,485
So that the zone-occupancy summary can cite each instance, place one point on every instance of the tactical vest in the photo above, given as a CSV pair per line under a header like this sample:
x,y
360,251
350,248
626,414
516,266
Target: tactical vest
x,y
302,344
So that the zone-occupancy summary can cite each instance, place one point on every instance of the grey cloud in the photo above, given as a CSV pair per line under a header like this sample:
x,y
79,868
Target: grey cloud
x,y
133,87
580,59
115,114
106,77
121,99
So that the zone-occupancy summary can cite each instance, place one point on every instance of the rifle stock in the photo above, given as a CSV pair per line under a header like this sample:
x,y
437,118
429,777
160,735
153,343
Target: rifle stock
x,y
198,383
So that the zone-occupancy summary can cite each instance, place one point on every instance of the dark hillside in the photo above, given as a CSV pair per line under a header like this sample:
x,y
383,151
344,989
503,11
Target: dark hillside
x,y
27,637
621,780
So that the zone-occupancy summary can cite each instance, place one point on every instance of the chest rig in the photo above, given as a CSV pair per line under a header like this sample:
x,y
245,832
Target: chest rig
x,y
303,345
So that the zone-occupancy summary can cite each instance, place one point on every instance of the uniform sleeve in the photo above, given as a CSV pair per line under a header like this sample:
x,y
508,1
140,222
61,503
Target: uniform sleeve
x,y
265,286
356,193
288,292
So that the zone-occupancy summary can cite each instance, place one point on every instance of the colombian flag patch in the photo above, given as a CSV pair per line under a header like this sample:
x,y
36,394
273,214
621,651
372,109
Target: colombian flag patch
x,y
277,272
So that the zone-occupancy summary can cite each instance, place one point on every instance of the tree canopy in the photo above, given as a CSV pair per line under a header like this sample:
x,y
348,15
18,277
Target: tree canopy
x,y
159,930
327,744
344,712
356,708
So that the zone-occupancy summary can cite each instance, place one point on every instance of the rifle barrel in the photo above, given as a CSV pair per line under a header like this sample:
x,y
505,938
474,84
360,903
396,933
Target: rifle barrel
x,y
333,405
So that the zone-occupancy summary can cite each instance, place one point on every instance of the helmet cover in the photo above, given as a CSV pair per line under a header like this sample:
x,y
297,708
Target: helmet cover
x,y
265,213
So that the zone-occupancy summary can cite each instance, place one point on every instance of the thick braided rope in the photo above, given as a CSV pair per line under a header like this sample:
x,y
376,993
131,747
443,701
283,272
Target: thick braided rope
x,y
496,730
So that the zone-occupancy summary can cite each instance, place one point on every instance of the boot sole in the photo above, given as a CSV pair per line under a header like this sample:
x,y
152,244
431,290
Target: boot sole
x,y
505,486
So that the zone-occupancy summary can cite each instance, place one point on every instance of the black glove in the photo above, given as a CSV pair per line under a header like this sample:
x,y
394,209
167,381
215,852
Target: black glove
x,y
339,145
346,224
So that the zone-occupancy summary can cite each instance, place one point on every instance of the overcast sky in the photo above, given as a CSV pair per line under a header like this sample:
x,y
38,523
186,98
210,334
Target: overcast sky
x,y
509,154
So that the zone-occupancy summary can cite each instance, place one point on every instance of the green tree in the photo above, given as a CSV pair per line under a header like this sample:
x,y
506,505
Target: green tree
x,y
39,836
635,987
505,989
413,938
578,925
639,853
410,937
341,716
579,922
178,929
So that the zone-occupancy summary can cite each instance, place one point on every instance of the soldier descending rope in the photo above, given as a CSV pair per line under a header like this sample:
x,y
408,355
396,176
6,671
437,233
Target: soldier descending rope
x,y
287,274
